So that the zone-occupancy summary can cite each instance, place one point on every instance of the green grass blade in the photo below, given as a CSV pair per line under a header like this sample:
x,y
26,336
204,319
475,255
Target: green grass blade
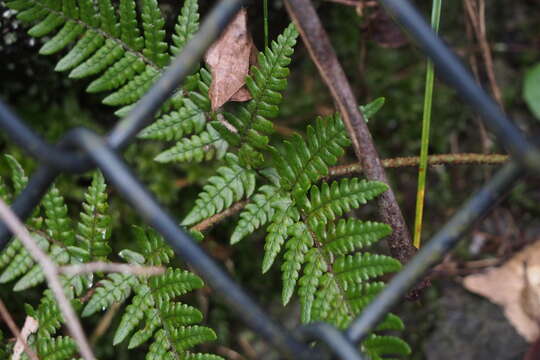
x,y
426,120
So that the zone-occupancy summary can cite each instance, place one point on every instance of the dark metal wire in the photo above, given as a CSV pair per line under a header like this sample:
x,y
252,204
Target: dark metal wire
x,y
82,149
181,67
119,175
450,68
434,250
334,339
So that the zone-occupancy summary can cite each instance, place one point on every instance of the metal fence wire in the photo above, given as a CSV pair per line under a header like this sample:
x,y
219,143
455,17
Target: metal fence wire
x,y
81,150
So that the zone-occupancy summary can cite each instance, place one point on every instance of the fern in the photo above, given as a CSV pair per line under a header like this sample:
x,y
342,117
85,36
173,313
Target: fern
x,y
122,45
320,260
232,184
171,324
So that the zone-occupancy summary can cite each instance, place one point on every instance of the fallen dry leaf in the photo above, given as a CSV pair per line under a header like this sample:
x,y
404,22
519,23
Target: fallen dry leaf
x,y
229,59
30,326
516,287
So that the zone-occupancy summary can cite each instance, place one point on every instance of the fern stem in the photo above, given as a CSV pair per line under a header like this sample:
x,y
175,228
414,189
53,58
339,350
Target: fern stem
x,y
265,14
444,159
426,120
211,221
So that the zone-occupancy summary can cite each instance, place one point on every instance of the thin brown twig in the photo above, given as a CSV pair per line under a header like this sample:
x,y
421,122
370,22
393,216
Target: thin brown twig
x,y
93,267
50,270
229,353
321,51
6,316
476,13
211,221
104,323
445,159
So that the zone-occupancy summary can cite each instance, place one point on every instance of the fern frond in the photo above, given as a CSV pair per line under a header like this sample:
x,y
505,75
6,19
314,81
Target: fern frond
x,y
5,193
379,347
169,344
115,289
85,47
94,227
303,162
118,74
9,253
188,115
357,268
154,34
173,283
129,29
330,201
155,250
232,184
35,275
48,314
18,175
315,267
349,235
186,25
133,315
296,249
59,224
257,213
166,321
59,348
107,41
22,262
278,232
134,89
175,125
203,147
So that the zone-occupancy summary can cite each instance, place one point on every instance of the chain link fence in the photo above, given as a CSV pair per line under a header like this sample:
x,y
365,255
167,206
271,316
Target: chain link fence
x,y
81,150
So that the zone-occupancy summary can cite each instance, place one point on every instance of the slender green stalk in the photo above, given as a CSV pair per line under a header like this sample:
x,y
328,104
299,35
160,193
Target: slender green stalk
x,y
265,13
426,119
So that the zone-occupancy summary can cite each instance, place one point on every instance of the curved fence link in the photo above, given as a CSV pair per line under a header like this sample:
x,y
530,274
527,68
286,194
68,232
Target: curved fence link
x,y
81,150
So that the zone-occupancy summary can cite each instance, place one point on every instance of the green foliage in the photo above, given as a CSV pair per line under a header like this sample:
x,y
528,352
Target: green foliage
x,y
122,44
321,258
171,324
94,227
303,162
531,90
232,184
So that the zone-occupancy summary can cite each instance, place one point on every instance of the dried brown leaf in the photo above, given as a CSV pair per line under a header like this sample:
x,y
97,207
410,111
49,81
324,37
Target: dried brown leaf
x,y
30,326
229,59
516,287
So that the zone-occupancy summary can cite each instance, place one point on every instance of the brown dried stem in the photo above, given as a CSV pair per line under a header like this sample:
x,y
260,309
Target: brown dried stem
x,y
476,10
50,270
445,159
211,221
318,44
